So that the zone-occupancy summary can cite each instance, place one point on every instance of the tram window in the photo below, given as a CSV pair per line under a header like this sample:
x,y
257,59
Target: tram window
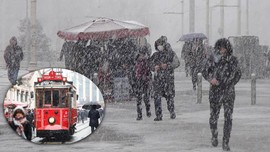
x,y
48,97
39,98
40,101
55,98
64,98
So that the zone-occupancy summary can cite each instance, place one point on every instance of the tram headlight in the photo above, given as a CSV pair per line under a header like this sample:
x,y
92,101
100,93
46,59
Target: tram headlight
x,y
51,120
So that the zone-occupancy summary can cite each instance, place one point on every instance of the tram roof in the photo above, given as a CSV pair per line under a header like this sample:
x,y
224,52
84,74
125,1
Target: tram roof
x,y
53,84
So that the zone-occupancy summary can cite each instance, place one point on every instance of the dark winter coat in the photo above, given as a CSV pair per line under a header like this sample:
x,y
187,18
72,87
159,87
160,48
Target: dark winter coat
x,y
226,71
78,56
30,117
67,52
164,79
200,55
122,61
94,116
186,51
92,59
27,129
13,56
142,75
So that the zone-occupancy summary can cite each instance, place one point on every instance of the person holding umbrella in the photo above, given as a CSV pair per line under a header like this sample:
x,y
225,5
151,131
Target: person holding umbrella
x,y
223,73
197,59
94,116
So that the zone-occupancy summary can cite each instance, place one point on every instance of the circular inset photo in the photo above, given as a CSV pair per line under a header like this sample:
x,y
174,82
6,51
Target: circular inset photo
x,y
54,106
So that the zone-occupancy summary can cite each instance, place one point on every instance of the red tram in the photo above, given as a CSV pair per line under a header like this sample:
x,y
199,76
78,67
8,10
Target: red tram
x,y
55,114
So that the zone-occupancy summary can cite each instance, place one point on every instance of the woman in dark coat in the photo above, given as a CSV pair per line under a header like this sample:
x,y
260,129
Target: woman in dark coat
x,y
163,62
20,124
223,73
142,79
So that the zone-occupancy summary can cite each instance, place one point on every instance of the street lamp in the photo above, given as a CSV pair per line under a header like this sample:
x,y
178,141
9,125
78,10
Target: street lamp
x,y
247,12
182,16
222,20
33,62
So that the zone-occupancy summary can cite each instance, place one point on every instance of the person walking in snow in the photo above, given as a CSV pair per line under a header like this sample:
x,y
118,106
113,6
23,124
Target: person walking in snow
x,y
66,51
186,54
142,82
13,56
163,62
196,61
94,116
223,73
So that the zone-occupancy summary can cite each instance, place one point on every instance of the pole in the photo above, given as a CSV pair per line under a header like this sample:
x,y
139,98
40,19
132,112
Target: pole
x,y
199,89
207,19
253,89
182,18
210,25
222,18
33,63
26,11
4,22
192,16
247,20
239,18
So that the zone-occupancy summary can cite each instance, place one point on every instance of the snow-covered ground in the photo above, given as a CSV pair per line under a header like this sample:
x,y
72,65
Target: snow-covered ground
x,y
189,132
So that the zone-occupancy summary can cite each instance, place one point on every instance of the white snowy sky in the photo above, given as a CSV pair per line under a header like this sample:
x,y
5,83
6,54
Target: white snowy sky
x,y
55,15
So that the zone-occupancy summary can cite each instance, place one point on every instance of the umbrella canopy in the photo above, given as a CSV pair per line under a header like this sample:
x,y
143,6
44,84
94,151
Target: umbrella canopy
x,y
104,29
192,36
13,104
90,104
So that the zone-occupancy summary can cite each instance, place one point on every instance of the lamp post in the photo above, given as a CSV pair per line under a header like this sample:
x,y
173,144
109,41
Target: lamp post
x,y
182,16
33,62
191,16
247,20
222,19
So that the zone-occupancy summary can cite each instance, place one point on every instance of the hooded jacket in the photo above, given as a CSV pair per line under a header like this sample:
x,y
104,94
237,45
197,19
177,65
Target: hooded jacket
x,y
13,55
164,78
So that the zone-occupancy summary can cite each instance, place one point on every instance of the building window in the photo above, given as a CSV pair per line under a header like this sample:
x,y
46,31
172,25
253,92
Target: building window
x,y
18,95
22,93
26,96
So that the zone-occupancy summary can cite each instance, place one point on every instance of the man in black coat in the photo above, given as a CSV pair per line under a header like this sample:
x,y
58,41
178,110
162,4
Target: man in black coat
x,y
94,116
163,62
67,52
13,56
223,73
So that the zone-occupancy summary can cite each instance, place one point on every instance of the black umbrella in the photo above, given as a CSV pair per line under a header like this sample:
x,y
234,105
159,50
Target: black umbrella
x,y
89,105
192,36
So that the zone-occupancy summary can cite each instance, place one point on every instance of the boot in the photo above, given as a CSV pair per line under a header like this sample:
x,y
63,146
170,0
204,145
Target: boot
x,y
173,116
148,113
214,139
139,117
158,119
225,145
